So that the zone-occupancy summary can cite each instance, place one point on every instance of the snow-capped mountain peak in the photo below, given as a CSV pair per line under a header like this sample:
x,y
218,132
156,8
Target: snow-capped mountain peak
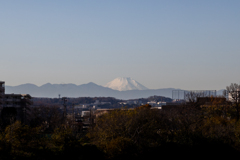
x,y
124,84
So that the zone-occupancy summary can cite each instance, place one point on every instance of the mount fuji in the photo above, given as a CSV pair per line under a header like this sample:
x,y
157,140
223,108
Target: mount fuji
x,y
125,84
120,88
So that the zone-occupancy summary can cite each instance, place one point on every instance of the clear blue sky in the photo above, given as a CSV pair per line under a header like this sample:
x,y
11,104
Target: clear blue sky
x,y
187,44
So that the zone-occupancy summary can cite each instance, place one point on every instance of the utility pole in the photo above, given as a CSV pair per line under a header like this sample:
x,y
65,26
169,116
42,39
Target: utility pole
x,y
73,114
90,119
65,107
161,101
24,114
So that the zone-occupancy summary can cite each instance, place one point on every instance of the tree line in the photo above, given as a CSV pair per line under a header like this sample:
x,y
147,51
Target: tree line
x,y
203,127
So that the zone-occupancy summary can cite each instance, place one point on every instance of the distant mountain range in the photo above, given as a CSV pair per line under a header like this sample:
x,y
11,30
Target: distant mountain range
x,y
127,89
84,90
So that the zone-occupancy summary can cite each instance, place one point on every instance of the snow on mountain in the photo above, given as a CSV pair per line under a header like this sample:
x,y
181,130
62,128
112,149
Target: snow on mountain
x,y
124,84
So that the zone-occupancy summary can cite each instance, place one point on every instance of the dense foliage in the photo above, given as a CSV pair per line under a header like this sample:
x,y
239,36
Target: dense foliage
x,y
206,129
211,130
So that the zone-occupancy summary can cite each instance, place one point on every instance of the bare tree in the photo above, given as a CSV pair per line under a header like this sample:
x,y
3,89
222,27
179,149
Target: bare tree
x,y
233,93
192,96
50,116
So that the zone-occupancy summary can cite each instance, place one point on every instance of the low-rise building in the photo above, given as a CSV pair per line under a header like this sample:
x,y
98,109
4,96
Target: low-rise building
x,y
2,92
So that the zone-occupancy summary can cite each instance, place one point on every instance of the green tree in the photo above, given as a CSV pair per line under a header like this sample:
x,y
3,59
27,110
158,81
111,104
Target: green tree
x,y
124,131
22,140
